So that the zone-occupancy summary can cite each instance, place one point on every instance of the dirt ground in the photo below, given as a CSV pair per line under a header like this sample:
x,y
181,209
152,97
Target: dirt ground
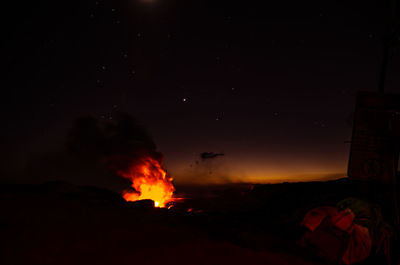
x,y
59,223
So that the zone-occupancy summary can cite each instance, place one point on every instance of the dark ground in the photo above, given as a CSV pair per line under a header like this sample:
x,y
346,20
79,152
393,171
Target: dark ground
x,y
59,223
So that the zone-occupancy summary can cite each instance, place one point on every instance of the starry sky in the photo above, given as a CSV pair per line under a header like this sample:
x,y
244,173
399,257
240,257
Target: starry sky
x,y
271,84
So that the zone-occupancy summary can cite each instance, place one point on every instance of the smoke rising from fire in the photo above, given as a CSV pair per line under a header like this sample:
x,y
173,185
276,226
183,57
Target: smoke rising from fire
x,y
96,152
127,148
118,142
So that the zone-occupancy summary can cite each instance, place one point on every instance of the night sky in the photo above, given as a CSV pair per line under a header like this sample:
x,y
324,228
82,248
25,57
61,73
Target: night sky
x,y
271,84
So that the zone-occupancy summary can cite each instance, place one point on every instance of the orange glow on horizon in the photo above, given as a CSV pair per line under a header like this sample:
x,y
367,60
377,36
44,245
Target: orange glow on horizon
x,y
257,169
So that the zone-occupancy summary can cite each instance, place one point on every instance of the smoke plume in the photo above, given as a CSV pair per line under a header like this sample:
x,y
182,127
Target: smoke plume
x,y
118,143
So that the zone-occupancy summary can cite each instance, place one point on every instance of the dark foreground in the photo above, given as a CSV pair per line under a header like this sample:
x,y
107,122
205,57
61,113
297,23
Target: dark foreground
x,y
59,223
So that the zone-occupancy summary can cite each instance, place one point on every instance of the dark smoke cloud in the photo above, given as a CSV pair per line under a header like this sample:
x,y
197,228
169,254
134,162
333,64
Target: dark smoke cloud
x,y
95,149
118,142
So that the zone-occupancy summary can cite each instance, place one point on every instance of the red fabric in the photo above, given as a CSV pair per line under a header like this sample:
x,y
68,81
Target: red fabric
x,y
314,217
344,220
359,243
359,246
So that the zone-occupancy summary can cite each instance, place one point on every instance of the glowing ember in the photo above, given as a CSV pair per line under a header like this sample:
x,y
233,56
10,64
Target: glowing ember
x,y
149,181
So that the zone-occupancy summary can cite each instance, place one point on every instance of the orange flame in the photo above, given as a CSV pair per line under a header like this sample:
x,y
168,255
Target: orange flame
x,y
149,181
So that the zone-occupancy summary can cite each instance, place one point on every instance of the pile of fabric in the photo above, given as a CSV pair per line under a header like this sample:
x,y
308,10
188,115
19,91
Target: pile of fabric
x,y
347,233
